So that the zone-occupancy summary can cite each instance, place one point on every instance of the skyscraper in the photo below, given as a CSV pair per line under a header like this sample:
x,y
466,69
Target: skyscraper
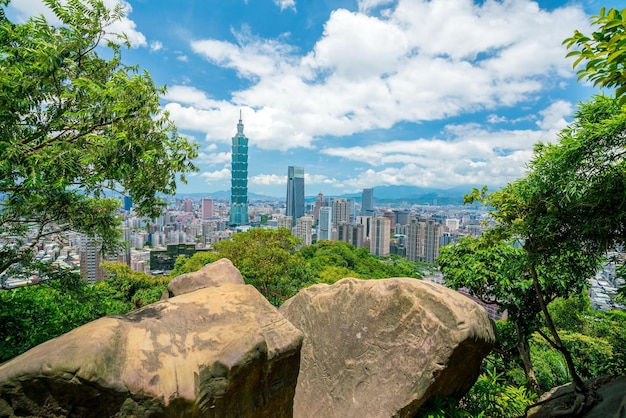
x,y
295,193
367,202
239,178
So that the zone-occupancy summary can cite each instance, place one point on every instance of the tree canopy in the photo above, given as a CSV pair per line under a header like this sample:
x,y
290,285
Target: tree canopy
x,y
75,126
603,52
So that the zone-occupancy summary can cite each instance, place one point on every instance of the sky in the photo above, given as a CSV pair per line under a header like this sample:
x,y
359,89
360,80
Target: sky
x,y
361,93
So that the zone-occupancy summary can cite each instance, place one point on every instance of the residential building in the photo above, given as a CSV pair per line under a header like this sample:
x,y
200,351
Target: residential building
x,y
379,236
207,208
303,230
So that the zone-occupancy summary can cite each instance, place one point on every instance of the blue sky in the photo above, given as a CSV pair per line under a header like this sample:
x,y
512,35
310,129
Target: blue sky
x,y
360,93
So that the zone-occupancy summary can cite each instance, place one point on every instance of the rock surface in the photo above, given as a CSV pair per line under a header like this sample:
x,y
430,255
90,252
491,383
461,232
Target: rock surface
x,y
214,274
560,400
216,352
381,348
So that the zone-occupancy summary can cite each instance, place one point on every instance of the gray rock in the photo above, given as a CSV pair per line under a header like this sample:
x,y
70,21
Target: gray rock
x,y
217,352
381,348
214,274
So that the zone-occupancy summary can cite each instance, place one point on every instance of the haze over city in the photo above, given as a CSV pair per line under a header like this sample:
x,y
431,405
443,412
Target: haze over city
x,y
360,93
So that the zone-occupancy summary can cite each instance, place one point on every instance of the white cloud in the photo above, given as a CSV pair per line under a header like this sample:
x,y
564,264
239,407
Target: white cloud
x,y
419,61
268,180
286,4
183,58
156,46
216,176
218,158
554,116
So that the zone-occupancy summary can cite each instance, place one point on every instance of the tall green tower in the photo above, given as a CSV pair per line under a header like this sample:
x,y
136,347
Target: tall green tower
x,y
239,178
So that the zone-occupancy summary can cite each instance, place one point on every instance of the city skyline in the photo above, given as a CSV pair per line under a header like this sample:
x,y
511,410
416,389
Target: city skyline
x,y
362,93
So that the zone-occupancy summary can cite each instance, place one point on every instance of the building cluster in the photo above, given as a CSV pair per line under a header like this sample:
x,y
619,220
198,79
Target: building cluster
x,y
188,225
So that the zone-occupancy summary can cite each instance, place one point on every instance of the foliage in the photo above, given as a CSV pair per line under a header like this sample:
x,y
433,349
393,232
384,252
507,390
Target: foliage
x,y
194,263
571,314
327,259
603,52
263,256
73,126
492,397
125,290
34,314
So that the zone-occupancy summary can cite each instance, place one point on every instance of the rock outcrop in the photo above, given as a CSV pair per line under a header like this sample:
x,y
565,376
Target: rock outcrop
x,y
214,274
381,348
215,352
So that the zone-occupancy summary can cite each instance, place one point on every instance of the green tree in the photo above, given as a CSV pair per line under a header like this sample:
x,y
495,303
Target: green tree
x,y
493,270
557,267
74,126
603,52
264,257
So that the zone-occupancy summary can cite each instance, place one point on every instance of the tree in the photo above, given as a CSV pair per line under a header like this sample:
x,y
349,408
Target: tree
x,y
604,52
75,126
492,270
263,256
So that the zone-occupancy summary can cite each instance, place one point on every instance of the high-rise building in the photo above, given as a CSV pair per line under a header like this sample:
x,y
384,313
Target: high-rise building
x,y
367,202
415,236
295,193
128,203
341,210
379,241
319,203
187,205
207,208
431,241
239,178
325,225
303,230
90,260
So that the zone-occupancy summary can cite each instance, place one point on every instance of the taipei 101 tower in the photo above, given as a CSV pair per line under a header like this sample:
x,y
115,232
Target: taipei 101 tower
x,y
239,178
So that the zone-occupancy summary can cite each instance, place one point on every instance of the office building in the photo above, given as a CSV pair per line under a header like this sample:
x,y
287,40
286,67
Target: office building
x,y
379,241
239,178
295,193
325,225
367,202
207,208
187,205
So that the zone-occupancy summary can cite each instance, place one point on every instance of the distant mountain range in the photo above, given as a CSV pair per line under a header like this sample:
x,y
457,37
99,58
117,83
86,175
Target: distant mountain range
x,y
382,194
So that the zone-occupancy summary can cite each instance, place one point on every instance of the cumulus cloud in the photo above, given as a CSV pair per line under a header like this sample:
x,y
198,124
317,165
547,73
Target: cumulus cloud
x,y
418,61
218,176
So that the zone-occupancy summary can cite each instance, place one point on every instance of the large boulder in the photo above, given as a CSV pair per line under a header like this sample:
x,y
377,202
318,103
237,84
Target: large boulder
x,y
213,274
381,348
216,352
